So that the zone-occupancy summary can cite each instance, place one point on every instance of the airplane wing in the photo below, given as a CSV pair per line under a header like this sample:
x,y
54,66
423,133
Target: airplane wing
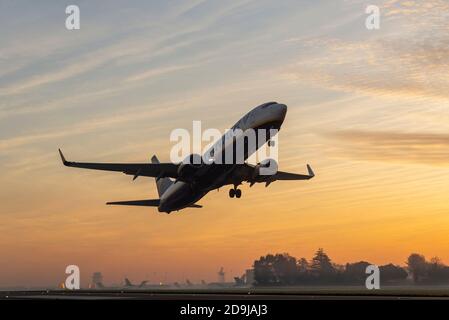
x,y
157,170
280,175
249,173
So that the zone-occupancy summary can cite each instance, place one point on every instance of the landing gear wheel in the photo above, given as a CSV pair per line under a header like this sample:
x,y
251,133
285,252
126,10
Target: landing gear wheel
x,y
232,193
238,193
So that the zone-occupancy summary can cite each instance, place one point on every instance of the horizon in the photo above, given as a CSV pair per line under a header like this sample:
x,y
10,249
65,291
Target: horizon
x,y
86,282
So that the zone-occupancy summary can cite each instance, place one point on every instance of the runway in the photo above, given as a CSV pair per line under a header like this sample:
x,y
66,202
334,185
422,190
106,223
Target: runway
x,y
200,295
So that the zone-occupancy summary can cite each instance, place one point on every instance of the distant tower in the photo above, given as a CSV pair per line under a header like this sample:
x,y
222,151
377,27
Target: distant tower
x,y
97,280
221,275
249,277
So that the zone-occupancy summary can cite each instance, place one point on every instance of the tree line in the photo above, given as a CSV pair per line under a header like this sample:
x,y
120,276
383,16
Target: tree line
x,y
284,269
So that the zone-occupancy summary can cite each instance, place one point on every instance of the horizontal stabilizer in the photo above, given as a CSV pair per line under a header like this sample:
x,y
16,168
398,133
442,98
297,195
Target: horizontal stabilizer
x,y
143,203
195,206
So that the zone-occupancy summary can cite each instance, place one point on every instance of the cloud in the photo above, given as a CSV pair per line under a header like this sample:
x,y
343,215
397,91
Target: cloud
x,y
155,109
118,51
157,72
416,11
407,58
387,68
423,148
80,65
84,127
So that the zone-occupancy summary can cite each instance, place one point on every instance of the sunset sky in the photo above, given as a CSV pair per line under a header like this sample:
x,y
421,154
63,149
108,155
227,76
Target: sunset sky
x,y
368,109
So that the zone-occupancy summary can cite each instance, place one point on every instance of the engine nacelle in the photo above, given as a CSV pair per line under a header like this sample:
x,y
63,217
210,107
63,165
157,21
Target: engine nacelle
x,y
265,169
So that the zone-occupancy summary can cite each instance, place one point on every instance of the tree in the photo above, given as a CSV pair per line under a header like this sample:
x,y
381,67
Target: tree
x,y
263,270
302,265
285,269
436,261
390,273
356,272
321,264
277,269
417,265
437,272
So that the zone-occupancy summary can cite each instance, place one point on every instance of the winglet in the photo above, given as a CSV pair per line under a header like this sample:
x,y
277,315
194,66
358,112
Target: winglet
x,y
311,173
64,161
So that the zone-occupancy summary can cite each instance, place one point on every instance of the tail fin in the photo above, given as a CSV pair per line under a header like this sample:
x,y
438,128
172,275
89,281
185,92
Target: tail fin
x,y
128,283
162,183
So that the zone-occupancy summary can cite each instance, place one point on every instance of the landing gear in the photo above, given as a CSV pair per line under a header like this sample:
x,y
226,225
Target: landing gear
x,y
235,193
238,193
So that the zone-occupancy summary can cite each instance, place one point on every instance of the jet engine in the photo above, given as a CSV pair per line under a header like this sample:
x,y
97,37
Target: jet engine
x,y
266,167
263,171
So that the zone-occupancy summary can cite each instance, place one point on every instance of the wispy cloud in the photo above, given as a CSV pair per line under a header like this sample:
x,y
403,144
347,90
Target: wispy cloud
x,y
401,60
427,12
424,148
157,72
82,127
405,68
153,111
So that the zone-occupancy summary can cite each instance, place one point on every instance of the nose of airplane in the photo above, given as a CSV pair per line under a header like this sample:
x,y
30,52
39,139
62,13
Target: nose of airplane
x,y
281,109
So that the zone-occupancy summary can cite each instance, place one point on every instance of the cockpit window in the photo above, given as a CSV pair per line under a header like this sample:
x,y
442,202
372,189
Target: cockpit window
x,y
267,104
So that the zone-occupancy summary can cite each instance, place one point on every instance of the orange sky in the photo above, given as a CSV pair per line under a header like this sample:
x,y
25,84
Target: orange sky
x,y
367,109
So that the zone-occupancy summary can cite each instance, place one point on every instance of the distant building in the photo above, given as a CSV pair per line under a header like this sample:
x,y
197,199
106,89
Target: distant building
x,y
249,277
97,280
221,276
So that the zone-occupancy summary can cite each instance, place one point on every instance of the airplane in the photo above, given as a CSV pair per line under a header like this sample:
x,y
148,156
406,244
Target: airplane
x,y
182,185
128,284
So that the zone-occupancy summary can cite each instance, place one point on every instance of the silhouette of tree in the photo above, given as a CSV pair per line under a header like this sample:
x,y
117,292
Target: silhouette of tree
x,y
277,269
392,273
321,264
416,264
356,272
285,268
263,270
436,261
437,272
302,265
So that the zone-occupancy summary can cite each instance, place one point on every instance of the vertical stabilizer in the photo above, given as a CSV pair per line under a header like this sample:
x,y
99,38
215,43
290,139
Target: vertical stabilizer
x,y
162,183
